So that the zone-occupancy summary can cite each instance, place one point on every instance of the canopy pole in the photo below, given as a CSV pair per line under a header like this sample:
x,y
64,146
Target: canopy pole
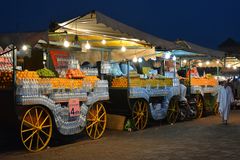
x,y
109,56
180,61
14,76
224,62
102,52
174,68
163,67
189,83
128,77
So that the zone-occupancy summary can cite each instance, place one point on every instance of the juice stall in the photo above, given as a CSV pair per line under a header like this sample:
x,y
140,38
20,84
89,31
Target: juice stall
x,y
203,85
53,82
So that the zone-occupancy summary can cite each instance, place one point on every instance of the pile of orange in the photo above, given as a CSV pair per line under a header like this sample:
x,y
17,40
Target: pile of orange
x,y
27,75
5,79
137,82
75,73
63,83
120,82
91,79
204,81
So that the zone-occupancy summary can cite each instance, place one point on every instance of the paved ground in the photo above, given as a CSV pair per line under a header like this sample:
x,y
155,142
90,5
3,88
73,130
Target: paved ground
x,y
199,139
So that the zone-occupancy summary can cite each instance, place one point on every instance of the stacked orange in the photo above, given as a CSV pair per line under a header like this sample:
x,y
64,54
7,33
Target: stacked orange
x,y
27,75
120,82
59,83
204,81
74,73
5,79
91,79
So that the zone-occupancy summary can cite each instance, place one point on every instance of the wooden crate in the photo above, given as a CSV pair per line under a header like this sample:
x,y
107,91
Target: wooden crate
x,y
115,122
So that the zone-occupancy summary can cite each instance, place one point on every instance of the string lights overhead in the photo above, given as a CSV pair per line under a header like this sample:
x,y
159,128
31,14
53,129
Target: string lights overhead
x,y
123,49
66,44
87,45
103,41
24,47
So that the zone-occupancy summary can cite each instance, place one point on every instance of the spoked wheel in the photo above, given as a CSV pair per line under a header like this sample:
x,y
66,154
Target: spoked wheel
x,y
193,112
215,109
199,101
140,114
96,121
182,114
173,111
36,128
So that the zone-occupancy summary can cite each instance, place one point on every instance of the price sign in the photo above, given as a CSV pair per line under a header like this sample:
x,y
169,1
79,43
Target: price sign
x,y
74,108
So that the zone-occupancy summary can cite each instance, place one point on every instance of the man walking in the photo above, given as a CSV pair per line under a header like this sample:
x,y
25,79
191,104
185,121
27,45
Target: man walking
x,y
225,98
222,100
230,99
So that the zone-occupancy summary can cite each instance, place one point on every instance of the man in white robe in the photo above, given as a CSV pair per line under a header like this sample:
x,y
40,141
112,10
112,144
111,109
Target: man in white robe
x,y
222,100
230,99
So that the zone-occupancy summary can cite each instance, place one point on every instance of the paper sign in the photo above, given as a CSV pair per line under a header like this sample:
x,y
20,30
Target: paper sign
x,y
74,108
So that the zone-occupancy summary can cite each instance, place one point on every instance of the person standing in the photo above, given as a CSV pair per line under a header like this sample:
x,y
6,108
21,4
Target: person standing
x,y
230,99
222,100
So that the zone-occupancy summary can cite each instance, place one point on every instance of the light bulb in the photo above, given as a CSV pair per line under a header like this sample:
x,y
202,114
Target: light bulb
x,y
104,42
228,66
66,44
24,47
207,63
123,49
135,59
217,61
184,61
174,58
140,60
200,64
87,45
167,55
234,67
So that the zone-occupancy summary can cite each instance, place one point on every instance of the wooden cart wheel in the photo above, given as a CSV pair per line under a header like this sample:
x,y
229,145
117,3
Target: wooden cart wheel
x,y
215,109
36,128
173,111
199,101
96,121
140,114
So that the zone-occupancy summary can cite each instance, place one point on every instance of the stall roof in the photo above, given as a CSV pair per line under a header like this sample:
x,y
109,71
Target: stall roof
x,y
96,23
191,47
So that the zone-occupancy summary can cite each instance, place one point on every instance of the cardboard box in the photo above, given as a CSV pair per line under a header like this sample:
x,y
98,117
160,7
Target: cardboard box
x,y
115,122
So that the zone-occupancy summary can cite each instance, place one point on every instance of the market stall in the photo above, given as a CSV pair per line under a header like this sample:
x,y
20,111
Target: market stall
x,y
47,102
201,86
56,78
115,46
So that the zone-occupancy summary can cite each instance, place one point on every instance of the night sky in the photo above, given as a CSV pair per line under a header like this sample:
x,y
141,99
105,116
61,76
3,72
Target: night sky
x,y
204,22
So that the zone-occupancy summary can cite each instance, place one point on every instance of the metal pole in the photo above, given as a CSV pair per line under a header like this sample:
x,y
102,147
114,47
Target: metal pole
x,y
109,56
224,62
101,62
174,69
163,68
128,77
189,83
14,76
180,61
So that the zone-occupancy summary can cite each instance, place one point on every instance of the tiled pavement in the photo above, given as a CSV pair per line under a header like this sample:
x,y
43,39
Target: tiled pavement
x,y
199,139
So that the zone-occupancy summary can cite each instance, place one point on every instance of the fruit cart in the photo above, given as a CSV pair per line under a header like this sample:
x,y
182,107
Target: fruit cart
x,y
136,96
45,105
204,89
